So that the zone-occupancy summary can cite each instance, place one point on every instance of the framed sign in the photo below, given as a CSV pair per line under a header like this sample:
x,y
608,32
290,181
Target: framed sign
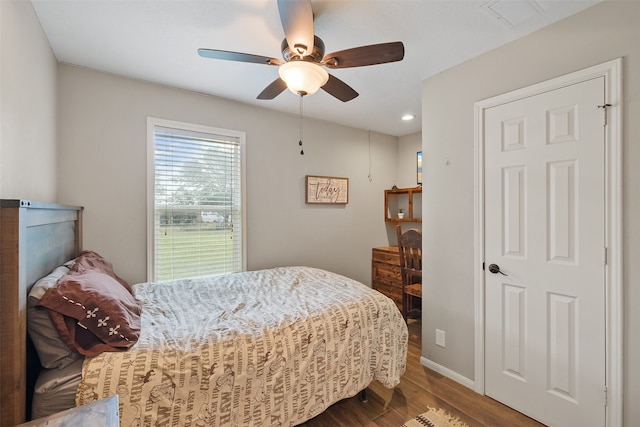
x,y
419,167
326,189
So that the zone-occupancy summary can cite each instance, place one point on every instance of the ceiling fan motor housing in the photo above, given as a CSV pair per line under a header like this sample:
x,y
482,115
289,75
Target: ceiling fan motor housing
x,y
316,54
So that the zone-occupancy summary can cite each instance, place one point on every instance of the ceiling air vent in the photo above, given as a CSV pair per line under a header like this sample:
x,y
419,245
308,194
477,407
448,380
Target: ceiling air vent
x,y
512,12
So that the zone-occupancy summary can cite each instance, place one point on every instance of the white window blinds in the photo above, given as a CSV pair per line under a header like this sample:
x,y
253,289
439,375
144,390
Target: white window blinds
x,y
197,206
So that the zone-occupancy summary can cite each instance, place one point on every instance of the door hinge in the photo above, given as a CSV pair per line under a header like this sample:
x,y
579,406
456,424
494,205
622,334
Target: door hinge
x,y
604,396
604,113
604,255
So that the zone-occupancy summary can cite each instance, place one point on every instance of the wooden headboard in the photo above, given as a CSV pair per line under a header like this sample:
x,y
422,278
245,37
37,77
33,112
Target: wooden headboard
x,y
34,239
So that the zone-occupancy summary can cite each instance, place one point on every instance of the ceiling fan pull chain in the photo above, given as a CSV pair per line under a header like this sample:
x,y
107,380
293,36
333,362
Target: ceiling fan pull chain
x,y
301,115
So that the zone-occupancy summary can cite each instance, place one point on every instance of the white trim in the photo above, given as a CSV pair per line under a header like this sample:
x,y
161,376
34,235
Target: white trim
x,y
447,372
612,72
614,275
478,247
152,122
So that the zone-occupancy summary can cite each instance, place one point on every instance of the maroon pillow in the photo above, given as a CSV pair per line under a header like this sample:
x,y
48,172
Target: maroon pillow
x,y
93,312
89,260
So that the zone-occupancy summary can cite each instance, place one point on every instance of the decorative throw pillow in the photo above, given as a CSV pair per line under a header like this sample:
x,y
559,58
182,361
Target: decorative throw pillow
x,y
93,311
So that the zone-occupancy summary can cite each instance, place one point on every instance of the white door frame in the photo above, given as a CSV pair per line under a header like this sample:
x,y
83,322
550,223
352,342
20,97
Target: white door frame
x,y
612,72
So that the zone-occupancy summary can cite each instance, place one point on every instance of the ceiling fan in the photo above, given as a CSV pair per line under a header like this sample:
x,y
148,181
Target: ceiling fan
x,y
302,70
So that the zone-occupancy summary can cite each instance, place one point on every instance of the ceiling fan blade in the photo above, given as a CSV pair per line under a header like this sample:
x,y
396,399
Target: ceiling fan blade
x,y
274,89
365,55
339,89
297,21
237,56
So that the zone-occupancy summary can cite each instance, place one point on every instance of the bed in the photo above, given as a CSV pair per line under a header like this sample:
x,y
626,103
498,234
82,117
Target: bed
x,y
268,347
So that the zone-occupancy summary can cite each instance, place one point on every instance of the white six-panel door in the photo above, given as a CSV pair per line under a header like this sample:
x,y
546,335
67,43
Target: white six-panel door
x,y
545,230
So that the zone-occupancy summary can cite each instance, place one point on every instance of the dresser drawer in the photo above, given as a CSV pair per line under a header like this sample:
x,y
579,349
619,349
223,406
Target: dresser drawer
x,y
391,291
386,273
386,257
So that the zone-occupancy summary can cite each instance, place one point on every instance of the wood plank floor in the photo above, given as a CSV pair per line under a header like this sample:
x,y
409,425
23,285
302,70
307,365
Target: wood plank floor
x,y
419,388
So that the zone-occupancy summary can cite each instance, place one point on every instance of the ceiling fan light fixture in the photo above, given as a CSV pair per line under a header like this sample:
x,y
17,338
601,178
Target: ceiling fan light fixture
x,y
303,77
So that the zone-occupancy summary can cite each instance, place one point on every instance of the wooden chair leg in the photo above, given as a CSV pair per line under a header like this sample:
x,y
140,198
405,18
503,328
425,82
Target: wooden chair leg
x,y
405,301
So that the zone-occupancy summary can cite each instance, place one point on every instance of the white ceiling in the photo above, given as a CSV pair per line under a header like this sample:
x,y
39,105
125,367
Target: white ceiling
x,y
157,41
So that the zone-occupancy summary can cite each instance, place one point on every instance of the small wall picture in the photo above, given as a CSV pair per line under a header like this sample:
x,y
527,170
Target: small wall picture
x,y
326,189
419,167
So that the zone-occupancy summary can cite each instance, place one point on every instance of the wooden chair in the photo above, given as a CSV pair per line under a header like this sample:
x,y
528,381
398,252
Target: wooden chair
x,y
410,251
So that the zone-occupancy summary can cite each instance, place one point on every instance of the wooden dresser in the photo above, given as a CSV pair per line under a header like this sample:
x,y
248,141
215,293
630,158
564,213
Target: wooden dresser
x,y
385,273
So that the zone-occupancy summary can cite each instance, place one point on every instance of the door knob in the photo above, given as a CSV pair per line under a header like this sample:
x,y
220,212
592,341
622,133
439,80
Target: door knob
x,y
494,268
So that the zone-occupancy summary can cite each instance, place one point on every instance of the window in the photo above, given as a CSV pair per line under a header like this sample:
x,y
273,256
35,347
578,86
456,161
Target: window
x,y
196,200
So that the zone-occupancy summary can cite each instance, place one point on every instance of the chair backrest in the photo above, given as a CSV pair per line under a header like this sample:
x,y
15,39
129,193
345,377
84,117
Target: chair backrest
x,y
410,251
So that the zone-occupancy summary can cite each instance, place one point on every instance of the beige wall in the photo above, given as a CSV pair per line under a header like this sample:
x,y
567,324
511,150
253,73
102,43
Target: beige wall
x,y
27,106
408,146
599,34
102,166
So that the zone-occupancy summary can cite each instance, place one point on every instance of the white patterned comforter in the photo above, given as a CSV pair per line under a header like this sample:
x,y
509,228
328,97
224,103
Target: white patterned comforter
x,y
265,348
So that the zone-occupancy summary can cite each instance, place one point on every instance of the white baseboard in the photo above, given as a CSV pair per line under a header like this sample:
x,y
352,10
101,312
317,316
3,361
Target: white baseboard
x,y
447,373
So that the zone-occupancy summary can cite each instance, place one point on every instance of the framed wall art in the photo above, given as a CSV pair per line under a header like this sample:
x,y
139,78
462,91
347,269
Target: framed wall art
x,y
326,190
419,167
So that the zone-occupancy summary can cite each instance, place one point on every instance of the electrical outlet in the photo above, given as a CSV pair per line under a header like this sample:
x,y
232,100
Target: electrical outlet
x,y
440,338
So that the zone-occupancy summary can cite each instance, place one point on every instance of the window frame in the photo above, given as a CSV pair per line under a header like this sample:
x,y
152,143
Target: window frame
x,y
152,122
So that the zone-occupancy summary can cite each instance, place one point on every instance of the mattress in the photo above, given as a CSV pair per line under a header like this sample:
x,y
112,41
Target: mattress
x,y
269,347
55,389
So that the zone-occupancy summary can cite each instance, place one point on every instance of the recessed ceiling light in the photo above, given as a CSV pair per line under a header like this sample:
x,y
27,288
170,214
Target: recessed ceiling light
x,y
408,117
